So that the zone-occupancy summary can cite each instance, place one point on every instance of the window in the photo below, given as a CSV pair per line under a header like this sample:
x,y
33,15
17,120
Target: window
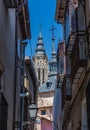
x,y
68,65
49,84
81,17
61,65
43,75
3,113
82,47
68,86
39,74
73,20
37,64
43,112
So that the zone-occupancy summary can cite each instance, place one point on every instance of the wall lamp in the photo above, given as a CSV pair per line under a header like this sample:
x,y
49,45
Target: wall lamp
x,y
32,110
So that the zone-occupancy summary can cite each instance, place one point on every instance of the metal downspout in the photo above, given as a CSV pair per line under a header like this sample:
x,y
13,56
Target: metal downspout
x,y
15,73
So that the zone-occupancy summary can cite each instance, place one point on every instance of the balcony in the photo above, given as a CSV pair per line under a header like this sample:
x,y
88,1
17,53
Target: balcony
x,y
11,3
60,80
78,56
70,43
66,91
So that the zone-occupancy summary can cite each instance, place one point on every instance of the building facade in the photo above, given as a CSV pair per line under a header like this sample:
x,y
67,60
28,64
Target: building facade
x,y
73,15
14,28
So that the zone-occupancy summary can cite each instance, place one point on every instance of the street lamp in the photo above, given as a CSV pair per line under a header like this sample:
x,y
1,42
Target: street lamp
x,y
32,110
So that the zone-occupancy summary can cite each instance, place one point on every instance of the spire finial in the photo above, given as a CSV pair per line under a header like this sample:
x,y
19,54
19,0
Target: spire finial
x,y
53,39
53,29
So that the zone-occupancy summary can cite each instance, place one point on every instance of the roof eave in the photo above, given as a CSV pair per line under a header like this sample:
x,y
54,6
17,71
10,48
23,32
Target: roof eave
x,y
60,11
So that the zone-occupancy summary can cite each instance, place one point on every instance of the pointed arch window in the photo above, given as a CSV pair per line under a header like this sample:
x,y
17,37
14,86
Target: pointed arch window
x,y
38,74
43,75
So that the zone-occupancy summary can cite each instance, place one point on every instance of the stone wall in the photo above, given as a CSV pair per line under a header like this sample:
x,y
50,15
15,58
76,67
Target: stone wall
x,y
7,56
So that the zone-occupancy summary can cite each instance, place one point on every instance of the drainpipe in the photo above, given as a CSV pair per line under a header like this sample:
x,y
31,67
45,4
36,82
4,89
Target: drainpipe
x,y
15,73
22,84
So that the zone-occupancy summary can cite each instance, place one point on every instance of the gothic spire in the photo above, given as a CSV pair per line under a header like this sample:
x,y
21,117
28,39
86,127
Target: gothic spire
x,y
40,46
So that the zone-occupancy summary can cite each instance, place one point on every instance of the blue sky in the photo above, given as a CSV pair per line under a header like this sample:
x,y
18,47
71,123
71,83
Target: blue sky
x,y
43,11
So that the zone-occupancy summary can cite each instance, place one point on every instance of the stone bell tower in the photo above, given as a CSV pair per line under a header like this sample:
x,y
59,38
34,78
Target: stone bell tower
x,y
40,60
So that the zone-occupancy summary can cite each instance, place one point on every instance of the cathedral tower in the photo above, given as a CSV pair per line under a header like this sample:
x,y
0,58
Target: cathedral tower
x,y
40,61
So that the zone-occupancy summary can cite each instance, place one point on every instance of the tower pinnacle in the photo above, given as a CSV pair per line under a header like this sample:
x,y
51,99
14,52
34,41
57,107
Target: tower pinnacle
x,y
53,61
53,39
40,46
